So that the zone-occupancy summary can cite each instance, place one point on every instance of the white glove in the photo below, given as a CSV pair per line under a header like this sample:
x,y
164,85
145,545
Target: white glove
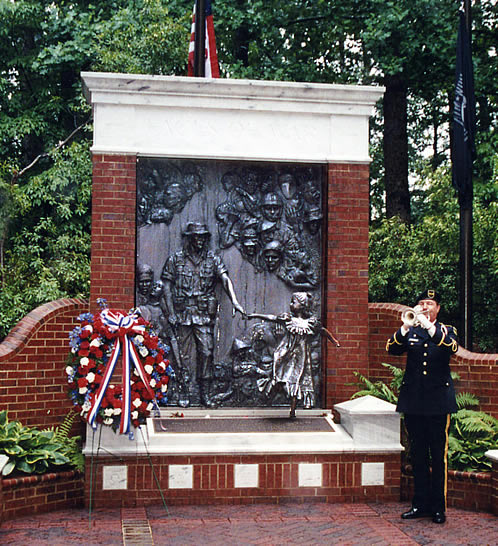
x,y
407,324
424,321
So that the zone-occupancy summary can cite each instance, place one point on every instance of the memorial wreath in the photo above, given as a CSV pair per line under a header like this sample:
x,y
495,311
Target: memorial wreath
x,y
96,345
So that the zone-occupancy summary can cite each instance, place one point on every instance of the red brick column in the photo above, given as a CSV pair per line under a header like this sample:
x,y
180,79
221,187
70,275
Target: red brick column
x,y
346,287
113,230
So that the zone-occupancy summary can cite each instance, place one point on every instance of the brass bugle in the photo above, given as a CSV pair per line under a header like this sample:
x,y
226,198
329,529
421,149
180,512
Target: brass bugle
x,y
409,316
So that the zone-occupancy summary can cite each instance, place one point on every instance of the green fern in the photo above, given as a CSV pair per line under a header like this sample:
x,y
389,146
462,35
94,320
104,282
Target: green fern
x,y
466,399
379,388
71,444
64,429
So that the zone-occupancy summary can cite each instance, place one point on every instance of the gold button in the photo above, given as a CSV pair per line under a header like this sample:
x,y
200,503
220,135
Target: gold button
x,y
425,372
426,345
425,354
425,363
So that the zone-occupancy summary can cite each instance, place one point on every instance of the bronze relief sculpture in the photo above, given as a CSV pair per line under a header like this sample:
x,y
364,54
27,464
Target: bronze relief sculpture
x,y
205,227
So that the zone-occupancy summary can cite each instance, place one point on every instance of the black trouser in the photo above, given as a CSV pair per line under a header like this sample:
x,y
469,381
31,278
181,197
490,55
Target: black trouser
x,y
428,436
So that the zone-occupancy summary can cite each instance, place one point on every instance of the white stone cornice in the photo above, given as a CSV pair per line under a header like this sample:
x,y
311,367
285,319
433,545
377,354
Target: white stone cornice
x,y
232,119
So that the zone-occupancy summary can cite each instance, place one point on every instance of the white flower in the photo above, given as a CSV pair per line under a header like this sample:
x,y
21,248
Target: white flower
x,y
108,421
137,402
83,390
149,369
143,351
86,406
150,406
164,388
88,327
69,370
84,361
135,372
153,383
84,411
90,377
134,414
108,412
74,350
139,339
95,343
117,411
161,366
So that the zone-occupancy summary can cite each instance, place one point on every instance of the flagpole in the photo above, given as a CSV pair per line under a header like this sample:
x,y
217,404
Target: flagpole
x,y
466,240
200,39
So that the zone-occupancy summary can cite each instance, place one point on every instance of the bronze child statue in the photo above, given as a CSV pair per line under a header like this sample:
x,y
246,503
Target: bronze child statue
x,y
292,357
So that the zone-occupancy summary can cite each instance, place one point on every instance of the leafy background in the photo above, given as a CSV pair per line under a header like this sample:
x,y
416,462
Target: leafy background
x,y
406,45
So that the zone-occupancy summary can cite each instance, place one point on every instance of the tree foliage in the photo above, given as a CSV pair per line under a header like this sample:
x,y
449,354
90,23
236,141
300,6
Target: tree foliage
x,y
406,45
405,259
45,132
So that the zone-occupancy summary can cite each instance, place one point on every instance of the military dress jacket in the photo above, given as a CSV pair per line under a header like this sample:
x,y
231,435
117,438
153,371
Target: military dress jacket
x,y
427,387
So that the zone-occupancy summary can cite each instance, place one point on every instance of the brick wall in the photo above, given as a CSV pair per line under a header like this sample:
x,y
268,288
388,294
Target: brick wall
x,y
478,372
468,490
32,363
213,480
346,287
23,496
113,231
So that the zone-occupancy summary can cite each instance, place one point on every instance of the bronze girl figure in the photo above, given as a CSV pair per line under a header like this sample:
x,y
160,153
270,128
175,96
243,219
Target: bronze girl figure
x,y
292,357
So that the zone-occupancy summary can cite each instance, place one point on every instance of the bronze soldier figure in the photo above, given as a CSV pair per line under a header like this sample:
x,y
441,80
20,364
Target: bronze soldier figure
x,y
190,277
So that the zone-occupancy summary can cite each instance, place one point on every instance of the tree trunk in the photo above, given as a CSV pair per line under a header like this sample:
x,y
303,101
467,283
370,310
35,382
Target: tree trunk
x,y
396,148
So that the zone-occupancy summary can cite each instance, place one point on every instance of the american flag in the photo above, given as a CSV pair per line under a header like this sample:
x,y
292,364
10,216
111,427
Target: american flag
x,y
211,64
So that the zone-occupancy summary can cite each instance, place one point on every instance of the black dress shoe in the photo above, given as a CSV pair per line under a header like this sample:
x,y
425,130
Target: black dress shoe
x,y
438,517
415,513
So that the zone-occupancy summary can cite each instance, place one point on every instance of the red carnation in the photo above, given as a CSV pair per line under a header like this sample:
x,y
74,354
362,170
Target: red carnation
x,y
82,382
85,333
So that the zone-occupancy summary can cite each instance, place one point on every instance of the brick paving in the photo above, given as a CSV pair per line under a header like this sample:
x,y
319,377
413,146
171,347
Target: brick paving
x,y
261,524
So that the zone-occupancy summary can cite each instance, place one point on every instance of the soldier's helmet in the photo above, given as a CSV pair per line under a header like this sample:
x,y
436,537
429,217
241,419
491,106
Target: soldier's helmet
x,y
195,228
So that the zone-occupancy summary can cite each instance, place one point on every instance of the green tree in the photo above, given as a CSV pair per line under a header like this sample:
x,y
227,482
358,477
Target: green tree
x,y
405,258
45,135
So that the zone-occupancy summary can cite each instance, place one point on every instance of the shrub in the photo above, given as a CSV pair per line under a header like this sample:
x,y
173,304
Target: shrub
x,y
34,451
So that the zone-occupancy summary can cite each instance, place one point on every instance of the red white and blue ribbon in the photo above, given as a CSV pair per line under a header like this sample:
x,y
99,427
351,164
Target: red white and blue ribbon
x,y
125,326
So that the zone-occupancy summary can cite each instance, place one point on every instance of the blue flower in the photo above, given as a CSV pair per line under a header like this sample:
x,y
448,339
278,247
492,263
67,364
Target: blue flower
x,y
86,316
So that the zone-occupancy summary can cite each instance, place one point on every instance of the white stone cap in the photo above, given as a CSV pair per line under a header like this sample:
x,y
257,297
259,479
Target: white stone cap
x,y
366,405
214,118
206,92
492,454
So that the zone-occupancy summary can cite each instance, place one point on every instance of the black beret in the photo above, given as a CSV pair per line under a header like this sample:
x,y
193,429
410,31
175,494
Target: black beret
x,y
429,294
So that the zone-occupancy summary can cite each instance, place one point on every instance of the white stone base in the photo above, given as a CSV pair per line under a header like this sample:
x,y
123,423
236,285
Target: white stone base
x,y
146,441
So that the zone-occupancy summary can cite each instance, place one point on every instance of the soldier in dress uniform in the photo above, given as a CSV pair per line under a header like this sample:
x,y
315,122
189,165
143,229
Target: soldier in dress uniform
x,y
426,398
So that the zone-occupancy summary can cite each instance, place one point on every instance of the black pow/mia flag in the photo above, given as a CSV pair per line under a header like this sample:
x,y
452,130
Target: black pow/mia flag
x,y
463,149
